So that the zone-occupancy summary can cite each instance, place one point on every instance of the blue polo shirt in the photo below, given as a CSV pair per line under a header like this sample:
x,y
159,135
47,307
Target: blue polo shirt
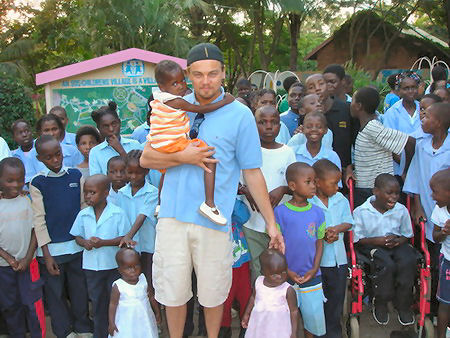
x,y
290,119
425,163
27,159
112,223
398,118
69,138
299,139
142,203
337,212
283,136
71,158
141,132
232,131
101,153
369,222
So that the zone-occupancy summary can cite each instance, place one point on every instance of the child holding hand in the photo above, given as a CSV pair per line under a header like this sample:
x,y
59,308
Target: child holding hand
x,y
272,308
130,313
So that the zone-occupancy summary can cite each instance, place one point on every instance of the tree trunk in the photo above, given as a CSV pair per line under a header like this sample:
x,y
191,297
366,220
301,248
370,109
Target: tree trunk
x,y
294,29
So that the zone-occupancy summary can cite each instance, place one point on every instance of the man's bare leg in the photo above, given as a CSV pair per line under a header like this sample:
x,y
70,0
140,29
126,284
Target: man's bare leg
x,y
176,316
213,319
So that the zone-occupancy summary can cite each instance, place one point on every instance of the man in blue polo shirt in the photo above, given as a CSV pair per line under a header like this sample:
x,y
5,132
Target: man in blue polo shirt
x,y
184,238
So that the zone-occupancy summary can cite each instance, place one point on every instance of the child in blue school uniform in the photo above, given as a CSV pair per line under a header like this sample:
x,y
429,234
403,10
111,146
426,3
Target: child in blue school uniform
x,y
51,125
65,137
57,197
21,288
23,136
382,230
141,132
338,219
99,229
440,185
108,124
117,174
87,137
303,227
432,154
139,199
314,129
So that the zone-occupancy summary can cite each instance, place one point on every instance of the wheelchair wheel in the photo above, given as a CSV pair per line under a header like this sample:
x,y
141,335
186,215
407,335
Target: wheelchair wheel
x,y
352,327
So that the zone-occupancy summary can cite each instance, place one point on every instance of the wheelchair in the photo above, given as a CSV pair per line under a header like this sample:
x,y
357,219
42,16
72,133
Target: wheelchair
x,y
362,271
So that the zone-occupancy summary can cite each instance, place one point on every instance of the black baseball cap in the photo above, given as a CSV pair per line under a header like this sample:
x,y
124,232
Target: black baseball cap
x,y
204,51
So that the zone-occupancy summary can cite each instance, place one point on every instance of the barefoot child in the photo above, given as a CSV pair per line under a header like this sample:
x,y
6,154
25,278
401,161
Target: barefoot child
x,y
272,309
21,288
116,173
138,199
87,137
130,313
169,126
99,229
440,185
303,227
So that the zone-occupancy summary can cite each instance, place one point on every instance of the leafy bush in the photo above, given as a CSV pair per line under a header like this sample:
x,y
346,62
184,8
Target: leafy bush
x,y
15,103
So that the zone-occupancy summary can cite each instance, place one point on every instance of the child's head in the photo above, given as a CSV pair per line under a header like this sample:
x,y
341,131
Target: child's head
x,y
314,127
295,93
273,267
107,120
264,97
12,177
328,177
310,103
49,152
301,179
443,93
129,264
268,123
50,124
96,189
170,78
135,173
438,73
61,113
426,101
407,85
315,84
244,87
117,172
440,186
437,118
333,75
289,81
22,133
386,190
347,82
365,101
87,138
391,81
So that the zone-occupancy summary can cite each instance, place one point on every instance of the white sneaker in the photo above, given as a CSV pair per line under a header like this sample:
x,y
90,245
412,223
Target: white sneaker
x,y
156,213
213,214
72,335
84,335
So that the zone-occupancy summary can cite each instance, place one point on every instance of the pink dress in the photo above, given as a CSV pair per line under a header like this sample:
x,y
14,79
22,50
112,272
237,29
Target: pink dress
x,y
270,316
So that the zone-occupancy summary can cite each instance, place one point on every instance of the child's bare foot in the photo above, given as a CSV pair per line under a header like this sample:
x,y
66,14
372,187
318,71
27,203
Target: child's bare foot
x,y
213,214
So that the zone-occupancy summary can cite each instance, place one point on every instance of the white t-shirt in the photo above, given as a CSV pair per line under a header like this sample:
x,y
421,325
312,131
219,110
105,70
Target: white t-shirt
x,y
275,163
4,149
439,217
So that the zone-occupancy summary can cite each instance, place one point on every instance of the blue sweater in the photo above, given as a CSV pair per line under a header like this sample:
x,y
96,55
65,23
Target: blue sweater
x,y
62,198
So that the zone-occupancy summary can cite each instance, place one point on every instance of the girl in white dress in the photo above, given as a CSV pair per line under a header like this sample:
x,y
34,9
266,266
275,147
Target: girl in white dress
x,y
130,313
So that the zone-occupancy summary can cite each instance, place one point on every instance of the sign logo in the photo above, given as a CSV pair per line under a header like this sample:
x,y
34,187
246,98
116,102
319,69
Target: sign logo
x,y
133,68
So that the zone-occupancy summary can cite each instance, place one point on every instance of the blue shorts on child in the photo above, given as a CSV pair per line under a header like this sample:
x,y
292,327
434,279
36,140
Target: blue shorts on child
x,y
443,292
310,300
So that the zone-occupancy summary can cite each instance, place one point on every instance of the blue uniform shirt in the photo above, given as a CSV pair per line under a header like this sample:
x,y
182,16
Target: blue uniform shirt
x,y
299,139
142,203
232,131
112,223
69,138
141,132
27,159
101,153
337,212
390,100
424,164
290,119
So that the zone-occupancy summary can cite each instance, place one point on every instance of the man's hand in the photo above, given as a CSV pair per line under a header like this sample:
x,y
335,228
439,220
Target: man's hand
x,y
276,239
276,195
51,265
198,156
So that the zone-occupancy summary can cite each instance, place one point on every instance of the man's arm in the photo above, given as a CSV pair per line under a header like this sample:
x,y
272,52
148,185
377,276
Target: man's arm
x,y
258,189
194,155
